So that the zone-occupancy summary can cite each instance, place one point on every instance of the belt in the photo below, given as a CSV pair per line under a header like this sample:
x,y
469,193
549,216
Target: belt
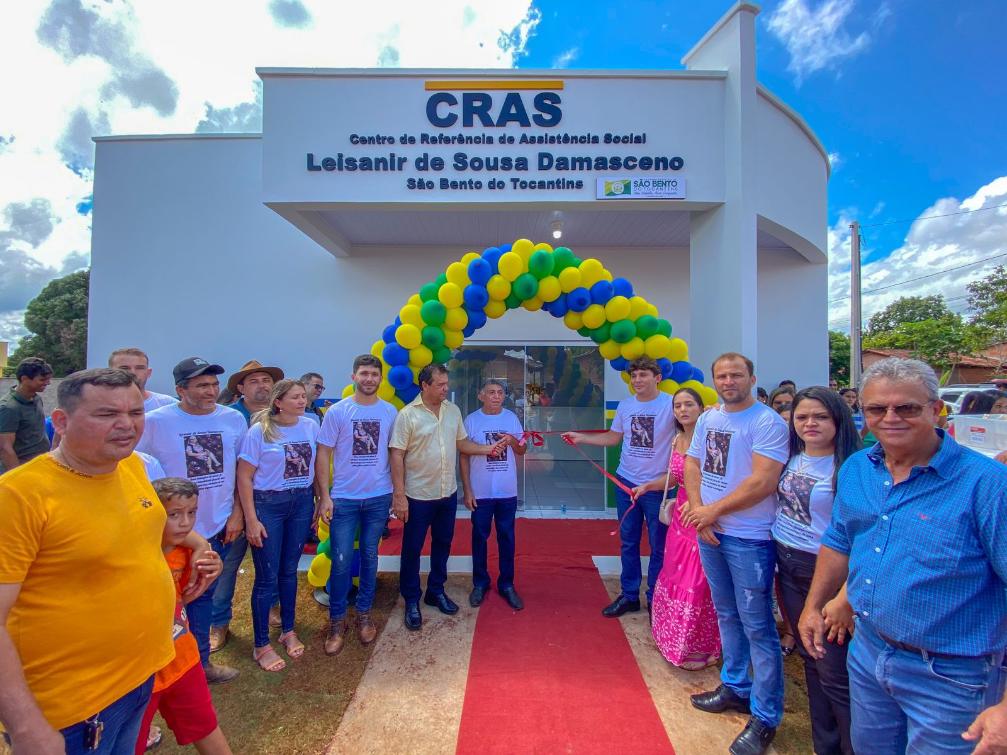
x,y
994,658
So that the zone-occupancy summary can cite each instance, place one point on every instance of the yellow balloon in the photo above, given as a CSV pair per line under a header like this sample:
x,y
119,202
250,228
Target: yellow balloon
x,y
397,402
633,348
637,307
498,288
377,347
591,266
421,356
450,295
668,386
323,529
533,304
625,377
410,315
348,390
610,349
511,265
709,395
549,288
468,257
542,247
416,373
573,320
456,319
408,336
453,338
593,316
415,300
569,279
523,248
495,309
385,390
629,384
318,572
697,386
657,346
458,274
617,308
606,275
679,351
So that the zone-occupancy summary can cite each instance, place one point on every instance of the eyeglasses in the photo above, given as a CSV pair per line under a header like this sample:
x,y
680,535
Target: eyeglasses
x,y
905,411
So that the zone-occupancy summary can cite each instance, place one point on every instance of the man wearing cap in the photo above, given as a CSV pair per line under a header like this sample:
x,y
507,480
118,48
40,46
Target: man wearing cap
x,y
197,439
253,382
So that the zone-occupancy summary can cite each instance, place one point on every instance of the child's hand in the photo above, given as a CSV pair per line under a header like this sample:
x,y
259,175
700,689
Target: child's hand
x,y
207,567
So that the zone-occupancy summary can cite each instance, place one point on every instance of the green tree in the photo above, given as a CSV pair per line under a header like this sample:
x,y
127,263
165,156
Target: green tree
x,y
57,320
839,357
904,310
988,304
940,342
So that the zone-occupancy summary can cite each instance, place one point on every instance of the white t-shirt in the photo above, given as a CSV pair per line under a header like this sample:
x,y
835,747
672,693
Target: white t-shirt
x,y
288,462
804,498
493,476
359,434
202,448
724,443
152,466
157,400
647,429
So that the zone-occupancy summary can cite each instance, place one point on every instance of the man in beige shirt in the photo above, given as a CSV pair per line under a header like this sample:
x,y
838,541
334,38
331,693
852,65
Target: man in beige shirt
x,y
423,451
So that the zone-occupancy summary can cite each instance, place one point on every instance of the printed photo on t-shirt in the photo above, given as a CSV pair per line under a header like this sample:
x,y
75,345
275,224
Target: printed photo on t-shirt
x,y
492,438
718,447
641,431
366,433
297,460
204,454
795,495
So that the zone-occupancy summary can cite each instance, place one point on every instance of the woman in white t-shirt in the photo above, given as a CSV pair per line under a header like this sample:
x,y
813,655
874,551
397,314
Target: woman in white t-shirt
x,y
822,437
276,476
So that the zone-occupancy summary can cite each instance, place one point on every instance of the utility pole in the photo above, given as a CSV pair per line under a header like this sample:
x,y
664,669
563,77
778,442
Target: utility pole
x,y
856,363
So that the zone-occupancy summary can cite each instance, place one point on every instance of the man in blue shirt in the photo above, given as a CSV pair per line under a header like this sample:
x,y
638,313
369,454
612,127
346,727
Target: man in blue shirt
x,y
919,534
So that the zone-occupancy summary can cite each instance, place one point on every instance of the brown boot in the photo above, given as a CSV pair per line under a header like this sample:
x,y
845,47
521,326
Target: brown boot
x,y
366,630
336,636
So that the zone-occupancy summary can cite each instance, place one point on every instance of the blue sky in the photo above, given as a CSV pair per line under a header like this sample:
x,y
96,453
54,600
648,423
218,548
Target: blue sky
x,y
905,95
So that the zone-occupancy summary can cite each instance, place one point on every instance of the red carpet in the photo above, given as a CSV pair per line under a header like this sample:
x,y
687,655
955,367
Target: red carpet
x,y
557,677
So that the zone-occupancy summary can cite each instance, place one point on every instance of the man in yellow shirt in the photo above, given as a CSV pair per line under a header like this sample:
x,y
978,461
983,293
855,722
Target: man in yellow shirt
x,y
86,598
423,452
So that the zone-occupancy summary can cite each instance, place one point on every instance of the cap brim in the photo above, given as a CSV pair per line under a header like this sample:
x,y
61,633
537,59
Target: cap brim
x,y
210,369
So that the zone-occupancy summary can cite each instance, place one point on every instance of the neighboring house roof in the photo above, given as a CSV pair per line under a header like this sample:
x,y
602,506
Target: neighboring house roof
x,y
962,361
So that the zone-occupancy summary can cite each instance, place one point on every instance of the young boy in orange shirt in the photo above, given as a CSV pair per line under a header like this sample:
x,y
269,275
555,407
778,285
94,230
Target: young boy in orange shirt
x,y
180,691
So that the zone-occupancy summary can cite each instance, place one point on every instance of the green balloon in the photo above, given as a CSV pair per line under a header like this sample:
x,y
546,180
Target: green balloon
x,y
433,312
324,547
623,331
663,327
441,279
646,326
602,334
585,331
541,264
442,355
433,337
525,287
513,301
562,258
429,291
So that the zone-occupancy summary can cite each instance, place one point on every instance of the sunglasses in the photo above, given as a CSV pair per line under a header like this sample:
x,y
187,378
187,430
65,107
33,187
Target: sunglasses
x,y
905,411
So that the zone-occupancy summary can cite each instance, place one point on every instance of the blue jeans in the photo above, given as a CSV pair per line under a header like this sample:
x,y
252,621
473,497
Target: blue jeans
x,y
648,507
286,515
223,595
905,702
121,725
200,611
438,516
740,573
503,511
369,515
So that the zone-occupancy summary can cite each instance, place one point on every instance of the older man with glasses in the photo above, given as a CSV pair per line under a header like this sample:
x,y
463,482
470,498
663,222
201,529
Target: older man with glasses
x,y
918,534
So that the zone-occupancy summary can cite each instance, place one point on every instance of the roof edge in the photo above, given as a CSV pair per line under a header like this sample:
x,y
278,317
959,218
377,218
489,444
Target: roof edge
x,y
802,124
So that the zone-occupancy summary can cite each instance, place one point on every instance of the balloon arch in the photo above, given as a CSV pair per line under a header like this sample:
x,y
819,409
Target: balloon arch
x,y
481,287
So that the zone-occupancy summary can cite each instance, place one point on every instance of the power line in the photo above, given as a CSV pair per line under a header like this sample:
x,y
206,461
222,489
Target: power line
x,y
922,277
933,217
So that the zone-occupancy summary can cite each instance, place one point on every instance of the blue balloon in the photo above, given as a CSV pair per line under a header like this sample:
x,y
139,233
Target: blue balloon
x,y
559,307
408,393
400,376
578,300
475,295
395,355
622,287
492,257
398,321
666,366
619,364
504,248
681,371
697,374
468,330
601,292
477,319
480,271
388,335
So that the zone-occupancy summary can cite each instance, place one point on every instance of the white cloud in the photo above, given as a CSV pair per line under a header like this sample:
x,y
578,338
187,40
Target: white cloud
x,y
121,66
931,246
817,38
565,58
835,160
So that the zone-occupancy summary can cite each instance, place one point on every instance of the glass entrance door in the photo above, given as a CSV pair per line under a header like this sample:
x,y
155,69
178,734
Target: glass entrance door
x,y
551,389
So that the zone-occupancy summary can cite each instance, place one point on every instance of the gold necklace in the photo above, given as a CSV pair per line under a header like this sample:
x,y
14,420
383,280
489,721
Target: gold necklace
x,y
66,466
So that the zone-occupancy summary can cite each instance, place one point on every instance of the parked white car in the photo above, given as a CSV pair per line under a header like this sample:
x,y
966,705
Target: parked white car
x,y
952,395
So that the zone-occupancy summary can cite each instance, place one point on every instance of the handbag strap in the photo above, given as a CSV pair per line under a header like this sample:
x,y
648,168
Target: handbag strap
x,y
667,478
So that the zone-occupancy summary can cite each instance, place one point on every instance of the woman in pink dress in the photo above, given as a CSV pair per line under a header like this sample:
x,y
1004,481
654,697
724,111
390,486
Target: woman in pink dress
x,y
683,620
